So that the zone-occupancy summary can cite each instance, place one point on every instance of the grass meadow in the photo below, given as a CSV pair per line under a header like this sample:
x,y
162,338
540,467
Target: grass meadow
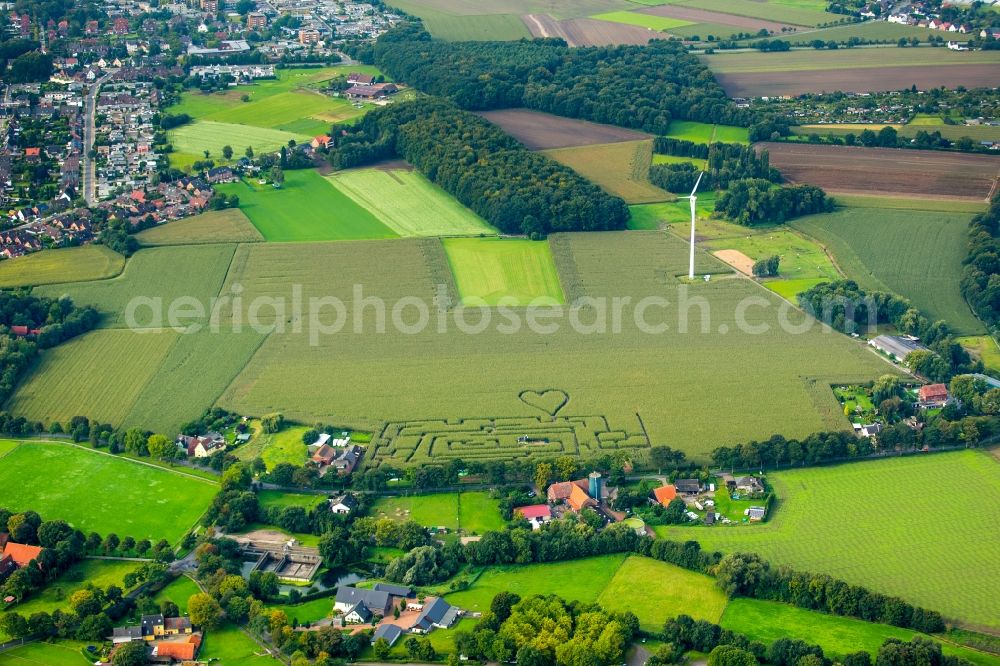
x,y
984,348
656,591
191,140
217,226
285,446
767,621
408,203
472,512
306,208
57,653
879,524
282,499
621,169
488,270
658,23
72,264
691,130
229,646
178,591
135,499
917,254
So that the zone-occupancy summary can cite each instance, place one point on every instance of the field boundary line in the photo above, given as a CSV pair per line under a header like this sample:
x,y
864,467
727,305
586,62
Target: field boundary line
x,y
117,457
8,452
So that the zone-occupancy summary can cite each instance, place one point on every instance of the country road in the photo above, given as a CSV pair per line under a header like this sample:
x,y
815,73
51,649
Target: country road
x,y
89,131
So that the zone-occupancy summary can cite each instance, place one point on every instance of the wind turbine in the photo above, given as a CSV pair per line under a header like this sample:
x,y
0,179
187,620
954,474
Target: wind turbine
x,y
693,199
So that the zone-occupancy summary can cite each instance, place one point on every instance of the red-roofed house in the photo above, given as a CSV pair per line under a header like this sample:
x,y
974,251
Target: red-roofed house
x,y
933,395
664,494
559,492
320,141
578,499
182,650
21,553
33,154
536,514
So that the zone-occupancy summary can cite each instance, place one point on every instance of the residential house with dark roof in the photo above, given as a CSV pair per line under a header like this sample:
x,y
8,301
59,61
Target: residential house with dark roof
x,y
389,632
688,486
358,614
435,614
394,590
378,602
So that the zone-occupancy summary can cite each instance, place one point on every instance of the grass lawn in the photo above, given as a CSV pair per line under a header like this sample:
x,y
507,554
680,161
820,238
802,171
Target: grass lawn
x,y
672,159
800,257
71,264
189,141
59,653
916,254
56,594
408,203
475,512
984,348
621,169
789,289
217,226
767,621
306,208
282,499
137,500
657,215
581,580
690,130
656,591
826,524
488,270
281,447
308,612
478,513
660,23
231,647
178,591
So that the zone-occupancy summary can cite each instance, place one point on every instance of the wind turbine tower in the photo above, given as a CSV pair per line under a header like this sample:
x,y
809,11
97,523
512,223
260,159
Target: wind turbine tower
x,y
693,199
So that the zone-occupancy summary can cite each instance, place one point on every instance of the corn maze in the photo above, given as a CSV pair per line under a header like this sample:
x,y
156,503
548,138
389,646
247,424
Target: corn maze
x,y
403,443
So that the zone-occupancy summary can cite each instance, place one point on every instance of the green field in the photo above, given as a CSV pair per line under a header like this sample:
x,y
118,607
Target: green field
x,y
282,499
473,512
306,208
810,59
408,203
767,621
573,580
650,21
467,27
489,270
191,140
917,254
801,258
281,447
307,612
217,226
72,264
136,500
690,130
648,217
903,203
60,653
797,12
984,348
416,376
656,591
178,591
231,647
671,159
55,595
828,522
910,130
621,169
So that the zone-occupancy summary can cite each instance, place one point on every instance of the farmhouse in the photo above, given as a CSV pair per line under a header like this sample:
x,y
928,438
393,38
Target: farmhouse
x,y
320,141
358,614
20,554
389,632
688,486
932,396
343,504
664,494
896,346
356,79
376,91
867,431
748,485
201,446
536,514
379,602
436,614
572,493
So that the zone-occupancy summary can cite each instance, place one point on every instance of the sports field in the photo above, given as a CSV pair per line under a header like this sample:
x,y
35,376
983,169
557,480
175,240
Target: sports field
x,y
217,226
306,208
409,204
883,524
72,264
767,621
488,270
137,500
472,512
621,169
917,254
656,591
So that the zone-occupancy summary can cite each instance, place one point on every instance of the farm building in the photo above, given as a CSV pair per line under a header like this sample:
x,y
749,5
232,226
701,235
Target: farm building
x,y
435,614
201,446
867,431
664,494
389,632
358,614
379,601
20,554
688,486
896,346
536,514
756,513
376,91
573,493
932,395
356,79
343,504
748,485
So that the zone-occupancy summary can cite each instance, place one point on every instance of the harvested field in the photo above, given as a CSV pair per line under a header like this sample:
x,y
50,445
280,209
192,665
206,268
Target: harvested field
x,y
586,31
541,131
622,169
737,260
870,79
217,226
856,170
696,15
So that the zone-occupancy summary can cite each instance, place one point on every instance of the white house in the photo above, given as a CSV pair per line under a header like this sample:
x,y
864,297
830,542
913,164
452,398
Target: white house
x,y
343,504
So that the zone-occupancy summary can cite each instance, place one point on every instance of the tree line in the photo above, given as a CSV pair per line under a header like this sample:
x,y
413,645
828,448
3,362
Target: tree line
x,y
846,307
981,271
517,191
643,87
755,201
725,163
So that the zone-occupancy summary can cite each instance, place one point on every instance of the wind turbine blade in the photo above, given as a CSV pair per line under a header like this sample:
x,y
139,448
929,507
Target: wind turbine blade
x,y
697,183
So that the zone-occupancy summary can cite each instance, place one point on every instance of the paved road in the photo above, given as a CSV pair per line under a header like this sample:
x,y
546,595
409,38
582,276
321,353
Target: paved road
x,y
89,132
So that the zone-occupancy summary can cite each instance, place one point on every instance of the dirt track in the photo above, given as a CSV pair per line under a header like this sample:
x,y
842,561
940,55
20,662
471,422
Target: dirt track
x,y
862,79
886,170
541,131
588,32
696,15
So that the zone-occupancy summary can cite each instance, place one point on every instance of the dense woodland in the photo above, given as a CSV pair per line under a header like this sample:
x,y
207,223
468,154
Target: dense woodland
x,y
644,87
981,274
55,321
517,191
754,201
725,163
